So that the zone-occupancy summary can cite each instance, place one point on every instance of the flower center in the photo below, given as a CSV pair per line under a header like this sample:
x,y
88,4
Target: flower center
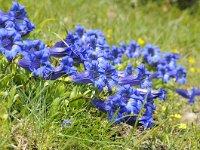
x,y
151,51
7,43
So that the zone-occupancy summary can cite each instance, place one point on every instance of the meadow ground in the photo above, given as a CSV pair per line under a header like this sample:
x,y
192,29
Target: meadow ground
x,y
31,111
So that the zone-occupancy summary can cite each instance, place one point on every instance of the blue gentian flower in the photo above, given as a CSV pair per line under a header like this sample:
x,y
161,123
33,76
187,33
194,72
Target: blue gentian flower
x,y
146,83
189,94
151,54
92,68
133,50
33,46
152,94
116,55
132,80
82,77
36,58
16,19
83,46
110,73
146,121
44,70
60,51
128,71
10,44
133,106
142,71
24,26
22,23
99,72
35,50
180,75
164,72
73,47
66,123
170,59
101,105
80,31
128,92
65,68
101,82
135,79
6,20
149,108
38,68
18,10
90,75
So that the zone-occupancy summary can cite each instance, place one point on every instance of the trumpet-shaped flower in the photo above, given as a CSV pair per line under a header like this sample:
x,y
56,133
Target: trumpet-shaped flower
x,y
163,72
169,60
133,50
21,23
135,79
126,105
18,10
35,50
99,72
10,44
36,58
80,31
65,68
189,94
152,94
151,54
180,74
116,55
127,72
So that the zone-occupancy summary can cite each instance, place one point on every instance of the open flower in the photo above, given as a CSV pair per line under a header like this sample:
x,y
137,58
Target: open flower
x,y
169,59
116,55
36,58
6,20
180,74
140,41
164,72
18,10
133,50
182,126
21,23
10,44
151,54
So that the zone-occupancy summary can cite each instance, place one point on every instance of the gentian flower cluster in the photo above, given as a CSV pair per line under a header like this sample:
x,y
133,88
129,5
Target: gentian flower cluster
x,y
128,103
90,48
100,72
16,19
166,66
35,55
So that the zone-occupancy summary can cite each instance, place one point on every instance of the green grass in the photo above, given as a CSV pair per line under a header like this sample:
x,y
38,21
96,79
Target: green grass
x,y
31,110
